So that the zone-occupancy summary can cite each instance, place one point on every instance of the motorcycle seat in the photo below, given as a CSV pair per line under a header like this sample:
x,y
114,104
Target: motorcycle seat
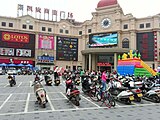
x,y
39,89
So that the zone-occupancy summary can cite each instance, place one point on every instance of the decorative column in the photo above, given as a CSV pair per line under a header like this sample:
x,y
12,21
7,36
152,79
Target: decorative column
x,y
93,62
83,62
115,61
90,62
132,41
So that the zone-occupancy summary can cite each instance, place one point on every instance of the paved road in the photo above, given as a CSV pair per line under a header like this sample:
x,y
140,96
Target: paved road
x,y
18,103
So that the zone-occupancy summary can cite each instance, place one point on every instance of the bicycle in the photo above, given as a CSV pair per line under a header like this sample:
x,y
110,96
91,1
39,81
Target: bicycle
x,y
107,99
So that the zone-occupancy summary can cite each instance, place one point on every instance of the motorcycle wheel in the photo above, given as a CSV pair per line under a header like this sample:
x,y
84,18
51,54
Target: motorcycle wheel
x,y
155,98
138,99
15,83
11,85
93,94
112,101
77,103
44,105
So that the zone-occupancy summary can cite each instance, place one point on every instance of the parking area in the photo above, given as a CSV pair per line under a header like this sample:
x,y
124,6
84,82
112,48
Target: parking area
x,y
20,100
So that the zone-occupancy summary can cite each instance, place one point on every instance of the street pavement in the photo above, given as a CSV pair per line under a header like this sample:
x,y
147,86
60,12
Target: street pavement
x,y
18,103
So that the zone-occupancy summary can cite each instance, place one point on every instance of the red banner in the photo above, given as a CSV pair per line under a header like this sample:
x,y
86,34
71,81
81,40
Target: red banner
x,y
15,37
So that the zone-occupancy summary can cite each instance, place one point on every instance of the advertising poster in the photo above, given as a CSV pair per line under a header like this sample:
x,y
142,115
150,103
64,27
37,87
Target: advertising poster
x,y
46,42
145,45
67,49
103,39
17,44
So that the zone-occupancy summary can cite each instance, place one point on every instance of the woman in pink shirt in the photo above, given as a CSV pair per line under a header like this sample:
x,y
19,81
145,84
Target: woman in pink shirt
x,y
104,78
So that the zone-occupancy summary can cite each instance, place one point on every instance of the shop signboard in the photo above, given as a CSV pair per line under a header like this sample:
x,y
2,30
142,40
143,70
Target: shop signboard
x,y
17,44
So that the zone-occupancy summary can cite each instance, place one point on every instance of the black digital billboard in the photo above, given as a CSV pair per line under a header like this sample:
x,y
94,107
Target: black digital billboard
x,y
67,49
17,44
145,45
103,39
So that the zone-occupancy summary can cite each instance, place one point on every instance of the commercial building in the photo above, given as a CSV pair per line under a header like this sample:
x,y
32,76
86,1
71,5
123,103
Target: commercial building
x,y
93,44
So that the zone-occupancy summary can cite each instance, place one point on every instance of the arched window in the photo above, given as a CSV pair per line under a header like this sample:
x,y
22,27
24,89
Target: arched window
x,y
125,43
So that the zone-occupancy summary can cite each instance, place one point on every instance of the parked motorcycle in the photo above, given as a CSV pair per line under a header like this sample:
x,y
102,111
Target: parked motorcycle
x,y
152,92
40,93
77,80
132,86
48,80
121,93
57,81
72,93
86,85
12,80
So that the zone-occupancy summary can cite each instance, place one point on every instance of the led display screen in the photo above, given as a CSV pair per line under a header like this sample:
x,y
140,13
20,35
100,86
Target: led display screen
x,y
145,45
67,49
103,39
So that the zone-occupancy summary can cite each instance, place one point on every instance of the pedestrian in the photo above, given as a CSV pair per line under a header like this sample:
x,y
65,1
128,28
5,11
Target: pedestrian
x,y
103,78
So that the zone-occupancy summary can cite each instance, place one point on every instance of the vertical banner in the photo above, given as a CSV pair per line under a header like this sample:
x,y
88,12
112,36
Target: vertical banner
x,y
45,42
145,45
155,46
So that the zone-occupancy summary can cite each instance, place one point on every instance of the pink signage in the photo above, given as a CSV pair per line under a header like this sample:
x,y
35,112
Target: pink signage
x,y
45,42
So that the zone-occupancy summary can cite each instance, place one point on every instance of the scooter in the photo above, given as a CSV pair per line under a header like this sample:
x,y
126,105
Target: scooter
x,y
12,80
86,85
132,86
40,93
121,93
77,80
57,81
48,80
151,93
72,93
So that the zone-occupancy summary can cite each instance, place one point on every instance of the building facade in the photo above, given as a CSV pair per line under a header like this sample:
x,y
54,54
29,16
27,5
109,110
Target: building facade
x,y
93,44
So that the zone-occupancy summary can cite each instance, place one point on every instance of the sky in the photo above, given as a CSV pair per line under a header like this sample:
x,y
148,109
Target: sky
x,y
81,9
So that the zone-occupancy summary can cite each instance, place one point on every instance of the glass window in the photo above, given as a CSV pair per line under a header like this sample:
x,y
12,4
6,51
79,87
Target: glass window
x,y
89,30
10,24
125,43
61,30
80,32
31,27
141,26
148,25
49,29
66,31
24,26
125,26
3,23
43,28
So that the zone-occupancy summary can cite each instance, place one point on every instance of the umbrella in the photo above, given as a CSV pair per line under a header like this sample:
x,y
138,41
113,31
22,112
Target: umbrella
x,y
11,64
28,65
20,65
3,64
